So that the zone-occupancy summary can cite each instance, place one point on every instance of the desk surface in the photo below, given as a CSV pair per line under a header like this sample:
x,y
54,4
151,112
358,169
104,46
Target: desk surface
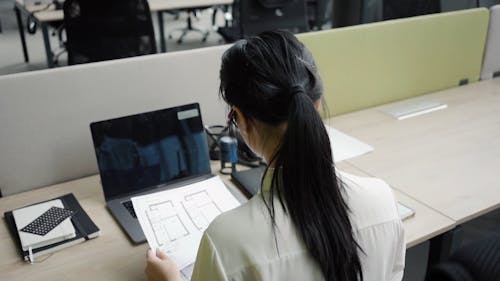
x,y
48,15
424,225
447,159
112,256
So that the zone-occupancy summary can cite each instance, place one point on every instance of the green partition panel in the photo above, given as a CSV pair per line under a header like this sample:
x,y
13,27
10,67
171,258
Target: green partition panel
x,y
372,64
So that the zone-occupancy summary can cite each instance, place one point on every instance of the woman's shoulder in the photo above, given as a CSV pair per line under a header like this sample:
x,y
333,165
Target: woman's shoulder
x,y
242,233
370,200
240,221
366,185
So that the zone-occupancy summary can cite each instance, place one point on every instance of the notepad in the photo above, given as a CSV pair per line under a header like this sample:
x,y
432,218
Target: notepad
x,y
43,224
344,146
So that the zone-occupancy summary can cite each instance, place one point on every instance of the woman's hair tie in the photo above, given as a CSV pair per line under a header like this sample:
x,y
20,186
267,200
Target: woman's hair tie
x,y
296,89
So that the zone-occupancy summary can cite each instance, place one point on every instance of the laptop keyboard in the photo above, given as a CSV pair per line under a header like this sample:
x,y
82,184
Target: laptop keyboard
x,y
130,208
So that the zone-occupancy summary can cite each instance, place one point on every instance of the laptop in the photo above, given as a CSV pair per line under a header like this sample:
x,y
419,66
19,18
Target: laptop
x,y
146,153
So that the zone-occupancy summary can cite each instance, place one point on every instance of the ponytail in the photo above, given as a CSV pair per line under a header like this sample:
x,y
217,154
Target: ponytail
x,y
312,193
279,84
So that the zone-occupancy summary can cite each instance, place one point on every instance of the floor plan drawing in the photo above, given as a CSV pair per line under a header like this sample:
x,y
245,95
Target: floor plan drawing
x,y
200,208
175,220
166,222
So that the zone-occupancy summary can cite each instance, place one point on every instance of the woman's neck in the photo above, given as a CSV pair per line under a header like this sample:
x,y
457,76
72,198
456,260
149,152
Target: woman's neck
x,y
271,142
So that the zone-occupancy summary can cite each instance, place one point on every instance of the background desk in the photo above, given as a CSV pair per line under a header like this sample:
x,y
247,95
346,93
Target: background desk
x,y
112,256
43,18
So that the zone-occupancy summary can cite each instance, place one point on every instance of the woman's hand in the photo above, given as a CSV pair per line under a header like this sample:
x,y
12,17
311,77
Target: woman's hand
x,y
160,267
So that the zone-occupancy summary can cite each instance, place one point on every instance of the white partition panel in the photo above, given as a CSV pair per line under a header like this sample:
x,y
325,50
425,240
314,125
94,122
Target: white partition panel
x,y
45,115
491,62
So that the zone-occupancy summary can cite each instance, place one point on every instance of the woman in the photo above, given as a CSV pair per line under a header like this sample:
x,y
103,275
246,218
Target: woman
x,y
308,222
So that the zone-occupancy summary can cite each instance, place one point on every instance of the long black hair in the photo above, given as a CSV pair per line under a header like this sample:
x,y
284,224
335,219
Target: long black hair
x,y
272,77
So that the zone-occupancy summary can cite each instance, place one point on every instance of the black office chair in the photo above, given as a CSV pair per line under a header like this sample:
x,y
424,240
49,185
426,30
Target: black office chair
x,y
395,9
251,17
98,30
477,261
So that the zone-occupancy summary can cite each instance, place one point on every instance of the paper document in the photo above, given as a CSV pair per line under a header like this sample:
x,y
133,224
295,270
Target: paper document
x,y
174,220
345,146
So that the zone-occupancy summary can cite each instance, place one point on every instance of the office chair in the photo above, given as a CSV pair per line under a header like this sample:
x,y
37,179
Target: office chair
x,y
251,17
477,261
191,14
98,30
395,9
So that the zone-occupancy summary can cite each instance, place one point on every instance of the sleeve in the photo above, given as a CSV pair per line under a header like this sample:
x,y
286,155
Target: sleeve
x,y
399,255
208,265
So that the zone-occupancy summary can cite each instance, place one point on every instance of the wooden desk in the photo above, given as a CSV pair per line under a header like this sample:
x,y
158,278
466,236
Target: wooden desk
x,y
113,257
447,159
108,257
44,16
424,225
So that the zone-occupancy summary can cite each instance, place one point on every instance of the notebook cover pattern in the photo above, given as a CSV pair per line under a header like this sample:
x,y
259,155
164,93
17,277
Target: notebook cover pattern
x,y
47,221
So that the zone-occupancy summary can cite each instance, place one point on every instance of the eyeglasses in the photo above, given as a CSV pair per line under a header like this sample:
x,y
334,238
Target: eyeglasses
x,y
231,117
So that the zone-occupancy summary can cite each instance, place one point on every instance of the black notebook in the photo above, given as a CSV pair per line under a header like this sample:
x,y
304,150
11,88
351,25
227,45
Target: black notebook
x,y
85,228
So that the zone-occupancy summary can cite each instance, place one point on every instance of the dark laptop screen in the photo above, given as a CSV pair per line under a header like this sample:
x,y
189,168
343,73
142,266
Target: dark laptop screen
x,y
149,149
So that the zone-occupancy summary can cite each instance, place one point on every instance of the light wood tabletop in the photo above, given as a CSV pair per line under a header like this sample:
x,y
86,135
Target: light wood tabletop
x,y
424,225
112,256
447,159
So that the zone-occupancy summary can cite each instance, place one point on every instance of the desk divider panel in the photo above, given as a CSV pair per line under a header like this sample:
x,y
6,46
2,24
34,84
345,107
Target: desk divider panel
x,y
491,63
368,65
45,115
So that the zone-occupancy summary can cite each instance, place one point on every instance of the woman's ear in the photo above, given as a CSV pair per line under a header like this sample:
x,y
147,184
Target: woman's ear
x,y
244,123
317,105
247,129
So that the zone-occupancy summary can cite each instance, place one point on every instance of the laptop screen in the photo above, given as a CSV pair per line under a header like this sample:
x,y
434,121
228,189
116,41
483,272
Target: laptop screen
x,y
149,149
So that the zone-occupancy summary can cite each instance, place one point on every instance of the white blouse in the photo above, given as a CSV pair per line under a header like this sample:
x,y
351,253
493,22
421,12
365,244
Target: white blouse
x,y
240,244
